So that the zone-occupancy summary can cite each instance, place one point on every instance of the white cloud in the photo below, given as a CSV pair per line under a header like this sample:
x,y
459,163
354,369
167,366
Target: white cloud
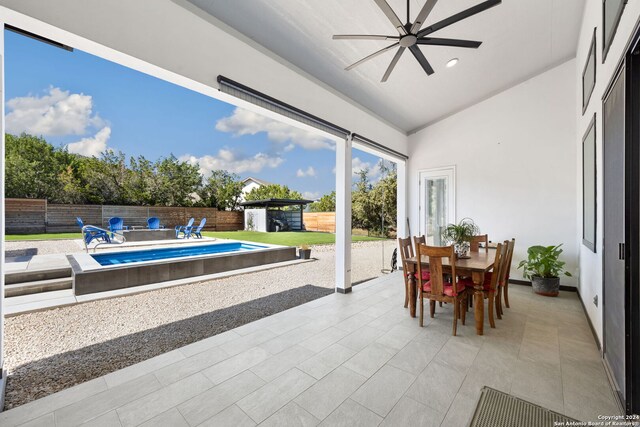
x,y
245,122
56,113
309,172
92,146
232,162
357,165
311,195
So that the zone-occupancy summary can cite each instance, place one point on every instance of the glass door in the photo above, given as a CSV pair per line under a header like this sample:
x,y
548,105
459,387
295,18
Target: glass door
x,y
437,202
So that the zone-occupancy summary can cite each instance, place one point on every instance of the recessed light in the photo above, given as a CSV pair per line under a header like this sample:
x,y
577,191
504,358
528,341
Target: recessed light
x,y
453,62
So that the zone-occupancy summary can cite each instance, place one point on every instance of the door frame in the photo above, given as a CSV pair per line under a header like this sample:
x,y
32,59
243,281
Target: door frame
x,y
442,171
632,227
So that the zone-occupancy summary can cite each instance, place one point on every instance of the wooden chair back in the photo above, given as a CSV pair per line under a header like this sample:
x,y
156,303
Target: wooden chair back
x,y
435,255
498,267
420,240
476,240
406,249
512,244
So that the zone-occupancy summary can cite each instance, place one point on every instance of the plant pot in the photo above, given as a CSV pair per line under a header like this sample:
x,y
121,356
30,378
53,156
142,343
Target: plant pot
x,y
547,286
462,249
305,253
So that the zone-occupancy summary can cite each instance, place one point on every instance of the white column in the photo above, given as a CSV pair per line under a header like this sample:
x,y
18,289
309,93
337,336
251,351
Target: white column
x,y
401,167
2,222
343,216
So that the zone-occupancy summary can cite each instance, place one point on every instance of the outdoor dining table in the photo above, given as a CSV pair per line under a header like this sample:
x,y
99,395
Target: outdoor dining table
x,y
475,267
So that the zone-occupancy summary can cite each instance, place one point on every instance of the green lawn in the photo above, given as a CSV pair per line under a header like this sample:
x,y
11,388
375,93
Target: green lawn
x,y
46,236
286,238
283,238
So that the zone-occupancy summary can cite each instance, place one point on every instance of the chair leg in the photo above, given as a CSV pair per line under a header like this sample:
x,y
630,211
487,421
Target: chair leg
x,y
440,303
506,295
492,321
421,312
498,305
432,308
455,318
463,312
406,293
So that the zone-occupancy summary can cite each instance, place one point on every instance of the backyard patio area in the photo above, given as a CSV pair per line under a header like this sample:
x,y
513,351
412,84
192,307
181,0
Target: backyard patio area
x,y
350,360
105,335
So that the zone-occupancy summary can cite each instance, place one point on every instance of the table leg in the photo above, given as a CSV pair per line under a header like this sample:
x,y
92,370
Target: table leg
x,y
478,300
412,293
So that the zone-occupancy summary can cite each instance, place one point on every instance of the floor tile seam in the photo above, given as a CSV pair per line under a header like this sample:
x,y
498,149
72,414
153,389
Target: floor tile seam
x,y
286,403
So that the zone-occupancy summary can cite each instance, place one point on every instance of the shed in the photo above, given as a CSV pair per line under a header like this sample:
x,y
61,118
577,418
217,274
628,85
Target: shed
x,y
267,214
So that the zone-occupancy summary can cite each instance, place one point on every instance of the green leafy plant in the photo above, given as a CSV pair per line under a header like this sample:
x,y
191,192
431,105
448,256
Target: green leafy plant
x,y
460,232
543,261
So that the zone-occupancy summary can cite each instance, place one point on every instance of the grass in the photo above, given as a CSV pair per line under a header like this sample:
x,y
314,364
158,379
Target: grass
x,y
44,236
282,238
286,238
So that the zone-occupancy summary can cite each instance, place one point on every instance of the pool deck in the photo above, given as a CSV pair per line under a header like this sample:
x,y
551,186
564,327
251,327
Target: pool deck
x,y
46,300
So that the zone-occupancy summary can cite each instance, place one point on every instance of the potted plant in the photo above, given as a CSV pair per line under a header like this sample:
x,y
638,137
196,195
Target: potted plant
x,y
460,235
305,252
543,267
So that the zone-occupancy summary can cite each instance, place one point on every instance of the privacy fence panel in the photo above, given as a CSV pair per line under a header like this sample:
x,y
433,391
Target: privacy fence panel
x,y
25,216
320,221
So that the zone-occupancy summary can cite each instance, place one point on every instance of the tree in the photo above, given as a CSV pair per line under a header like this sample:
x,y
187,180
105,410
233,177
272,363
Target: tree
x,y
370,203
178,182
327,203
222,190
272,191
32,168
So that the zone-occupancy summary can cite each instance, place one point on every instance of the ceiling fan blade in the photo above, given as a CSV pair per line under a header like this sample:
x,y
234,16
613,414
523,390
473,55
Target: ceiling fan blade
x,y
364,37
449,42
373,55
422,16
421,59
458,17
394,61
386,9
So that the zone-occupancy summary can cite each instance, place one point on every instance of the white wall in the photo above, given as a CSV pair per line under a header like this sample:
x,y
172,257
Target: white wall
x,y
515,160
155,36
591,263
259,219
247,189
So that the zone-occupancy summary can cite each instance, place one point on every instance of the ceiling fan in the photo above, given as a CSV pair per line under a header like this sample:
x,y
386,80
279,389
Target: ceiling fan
x,y
411,36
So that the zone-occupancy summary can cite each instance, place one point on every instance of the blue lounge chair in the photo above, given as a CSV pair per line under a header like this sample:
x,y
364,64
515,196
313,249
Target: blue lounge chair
x,y
185,229
154,223
196,232
90,233
116,225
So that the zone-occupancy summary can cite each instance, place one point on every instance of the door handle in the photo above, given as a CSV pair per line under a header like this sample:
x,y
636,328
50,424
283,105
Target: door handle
x,y
621,251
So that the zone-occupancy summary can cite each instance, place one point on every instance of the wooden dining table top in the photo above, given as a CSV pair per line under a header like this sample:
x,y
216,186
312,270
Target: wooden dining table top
x,y
477,261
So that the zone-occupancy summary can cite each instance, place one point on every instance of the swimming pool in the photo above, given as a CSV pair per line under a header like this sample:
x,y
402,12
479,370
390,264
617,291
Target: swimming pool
x,y
118,258
188,261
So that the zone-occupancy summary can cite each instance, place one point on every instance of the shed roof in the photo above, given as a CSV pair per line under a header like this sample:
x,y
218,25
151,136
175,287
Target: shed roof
x,y
275,203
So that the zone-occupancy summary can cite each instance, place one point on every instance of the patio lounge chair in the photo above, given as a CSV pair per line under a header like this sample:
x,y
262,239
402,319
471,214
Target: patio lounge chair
x,y
185,229
116,225
153,223
198,230
90,233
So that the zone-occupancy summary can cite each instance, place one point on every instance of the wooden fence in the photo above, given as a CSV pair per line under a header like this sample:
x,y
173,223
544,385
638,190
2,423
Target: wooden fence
x,y
320,221
24,216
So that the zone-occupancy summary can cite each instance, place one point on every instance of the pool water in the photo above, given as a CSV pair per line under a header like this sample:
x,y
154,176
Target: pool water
x,y
118,258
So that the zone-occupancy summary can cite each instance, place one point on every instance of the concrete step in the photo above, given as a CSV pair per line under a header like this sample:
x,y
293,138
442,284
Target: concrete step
x,y
19,277
37,286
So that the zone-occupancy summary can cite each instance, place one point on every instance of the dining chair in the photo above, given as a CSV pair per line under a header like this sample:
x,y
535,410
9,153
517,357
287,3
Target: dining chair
x,y
406,252
505,283
491,282
476,240
437,288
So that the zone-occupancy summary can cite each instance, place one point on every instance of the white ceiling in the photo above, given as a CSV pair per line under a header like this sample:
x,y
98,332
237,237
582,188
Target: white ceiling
x,y
520,38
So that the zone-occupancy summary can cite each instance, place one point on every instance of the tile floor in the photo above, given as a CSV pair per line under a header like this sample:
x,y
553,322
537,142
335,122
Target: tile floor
x,y
349,360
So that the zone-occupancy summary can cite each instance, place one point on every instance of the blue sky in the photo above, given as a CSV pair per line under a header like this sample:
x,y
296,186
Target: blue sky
x,y
89,104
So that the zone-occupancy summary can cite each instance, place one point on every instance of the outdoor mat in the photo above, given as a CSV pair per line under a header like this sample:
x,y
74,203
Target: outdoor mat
x,y
498,409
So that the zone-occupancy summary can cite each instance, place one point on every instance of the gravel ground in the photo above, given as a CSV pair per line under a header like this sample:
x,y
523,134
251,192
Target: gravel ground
x,y
41,247
51,350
